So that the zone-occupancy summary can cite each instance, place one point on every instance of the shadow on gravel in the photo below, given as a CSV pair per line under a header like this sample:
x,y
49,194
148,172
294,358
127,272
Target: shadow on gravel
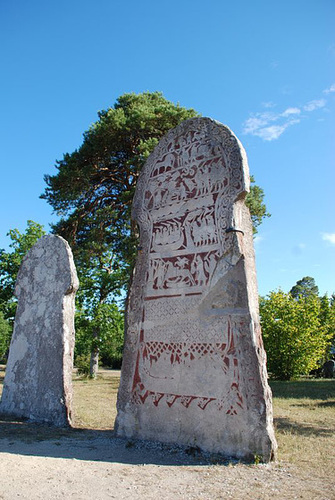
x,y
288,425
24,438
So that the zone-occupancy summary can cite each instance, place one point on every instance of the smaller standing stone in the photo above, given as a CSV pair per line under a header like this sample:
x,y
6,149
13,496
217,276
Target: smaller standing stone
x,y
38,379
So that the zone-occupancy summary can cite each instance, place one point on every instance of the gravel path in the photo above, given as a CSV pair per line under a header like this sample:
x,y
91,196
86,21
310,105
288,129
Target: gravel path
x,y
100,467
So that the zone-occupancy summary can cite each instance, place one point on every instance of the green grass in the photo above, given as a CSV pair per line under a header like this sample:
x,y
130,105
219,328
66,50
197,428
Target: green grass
x,y
94,401
321,389
304,418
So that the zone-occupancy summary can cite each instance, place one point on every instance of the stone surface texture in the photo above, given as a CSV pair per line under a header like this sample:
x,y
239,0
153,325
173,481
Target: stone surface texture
x,y
194,368
38,379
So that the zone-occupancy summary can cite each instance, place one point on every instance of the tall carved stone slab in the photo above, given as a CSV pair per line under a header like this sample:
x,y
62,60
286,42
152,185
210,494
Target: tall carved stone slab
x,y
194,369
38,379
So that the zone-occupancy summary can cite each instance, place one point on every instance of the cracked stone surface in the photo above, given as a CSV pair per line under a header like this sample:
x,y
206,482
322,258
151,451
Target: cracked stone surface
x,y
194,367
38,379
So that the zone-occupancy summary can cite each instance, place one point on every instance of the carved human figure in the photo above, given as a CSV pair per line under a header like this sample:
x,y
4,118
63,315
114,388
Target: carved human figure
x,y
160,274
197,268
38,379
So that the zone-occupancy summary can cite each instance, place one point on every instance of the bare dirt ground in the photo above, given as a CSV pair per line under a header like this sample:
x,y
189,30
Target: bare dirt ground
x,y
38,462
103,467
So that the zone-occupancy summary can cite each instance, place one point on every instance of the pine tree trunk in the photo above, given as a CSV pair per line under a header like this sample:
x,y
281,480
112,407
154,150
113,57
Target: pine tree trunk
x,y
94,362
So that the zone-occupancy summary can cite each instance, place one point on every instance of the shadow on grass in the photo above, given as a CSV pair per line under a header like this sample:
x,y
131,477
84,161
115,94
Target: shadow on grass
x,y
20,437
326,404
313,389
315,405
287,425
25,430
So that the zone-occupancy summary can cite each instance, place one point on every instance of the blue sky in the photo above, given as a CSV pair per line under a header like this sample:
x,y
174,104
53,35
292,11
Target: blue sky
x,y
264,68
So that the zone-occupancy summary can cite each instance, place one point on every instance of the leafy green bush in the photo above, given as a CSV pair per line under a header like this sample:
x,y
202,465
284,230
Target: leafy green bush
x,y
82,363
103,332
5,335
294,336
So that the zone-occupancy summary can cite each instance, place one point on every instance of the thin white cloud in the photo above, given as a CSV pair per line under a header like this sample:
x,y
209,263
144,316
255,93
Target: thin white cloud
x,y
274,131
258,239
261,124
268,104
291,111
257,122
316,104
330,89
330,237
271,133
270,125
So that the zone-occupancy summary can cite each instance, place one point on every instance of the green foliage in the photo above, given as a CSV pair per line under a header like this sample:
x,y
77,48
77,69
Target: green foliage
x,y
94,186
111,328
304,287
5,334
255,202
82,363
295,337
83,335
258,459
327,319
103,331
10,264
98,317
